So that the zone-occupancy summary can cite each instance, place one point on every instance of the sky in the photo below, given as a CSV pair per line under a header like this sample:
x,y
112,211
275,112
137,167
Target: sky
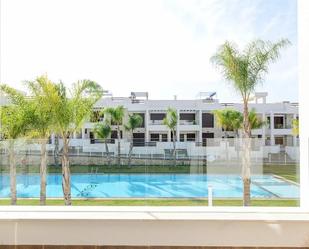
x,y
160,46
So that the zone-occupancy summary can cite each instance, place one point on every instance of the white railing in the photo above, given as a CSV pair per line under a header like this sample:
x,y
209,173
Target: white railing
x,y
187,122
156,122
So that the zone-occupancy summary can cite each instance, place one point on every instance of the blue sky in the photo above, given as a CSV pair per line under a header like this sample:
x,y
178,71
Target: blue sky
x,y
159,46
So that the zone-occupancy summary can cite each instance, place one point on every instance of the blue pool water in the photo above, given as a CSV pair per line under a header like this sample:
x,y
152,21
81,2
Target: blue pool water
x,y
150,186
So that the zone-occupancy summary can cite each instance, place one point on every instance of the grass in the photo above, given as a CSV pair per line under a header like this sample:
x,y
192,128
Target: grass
x,y
157,202
289,171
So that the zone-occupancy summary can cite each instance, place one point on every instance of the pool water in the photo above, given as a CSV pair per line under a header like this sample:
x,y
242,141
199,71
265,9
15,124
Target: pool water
x,y
150,186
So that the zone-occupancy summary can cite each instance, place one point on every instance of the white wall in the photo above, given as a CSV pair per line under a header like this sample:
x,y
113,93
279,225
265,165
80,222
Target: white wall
x,y
293,152
191,148
179,226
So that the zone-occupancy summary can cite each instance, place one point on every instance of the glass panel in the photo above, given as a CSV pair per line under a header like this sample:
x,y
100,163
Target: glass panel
x,y
153,173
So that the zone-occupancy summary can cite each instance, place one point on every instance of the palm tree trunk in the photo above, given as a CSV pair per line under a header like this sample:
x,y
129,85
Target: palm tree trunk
x,y
12,172
118,138
130,153
246,159
226,146
107,154
43,172
237,144
66,177
56,151
174,148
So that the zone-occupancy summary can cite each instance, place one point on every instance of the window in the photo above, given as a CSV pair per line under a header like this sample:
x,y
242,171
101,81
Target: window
x,y
207,120
164,137
138,139
114,135
273,148
182,137
207,138
157,116
187,119
279,122
191,137
155,137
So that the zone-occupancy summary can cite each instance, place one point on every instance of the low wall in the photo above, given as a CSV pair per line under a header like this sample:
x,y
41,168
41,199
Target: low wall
x,y
99,160
292,152
34,160
149,226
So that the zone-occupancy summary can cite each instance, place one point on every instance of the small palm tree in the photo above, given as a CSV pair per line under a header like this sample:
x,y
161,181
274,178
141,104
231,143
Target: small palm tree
x,y
245,70
70,112
295,127
229,120
255,121
103,131
171,121
13,125
134,122
42,121
116,116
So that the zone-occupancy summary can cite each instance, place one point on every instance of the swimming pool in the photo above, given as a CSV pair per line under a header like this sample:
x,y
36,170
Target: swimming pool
x,y
150,186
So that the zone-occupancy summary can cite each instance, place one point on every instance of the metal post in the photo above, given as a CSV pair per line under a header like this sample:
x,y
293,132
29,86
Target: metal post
x,y
303,22
210,196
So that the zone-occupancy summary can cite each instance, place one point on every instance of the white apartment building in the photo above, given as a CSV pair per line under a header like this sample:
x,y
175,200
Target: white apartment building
x,y
196,119
197,133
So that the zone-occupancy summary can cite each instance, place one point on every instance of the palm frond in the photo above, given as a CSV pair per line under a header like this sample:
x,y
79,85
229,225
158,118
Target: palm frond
x,y
246,69
171,119
134,122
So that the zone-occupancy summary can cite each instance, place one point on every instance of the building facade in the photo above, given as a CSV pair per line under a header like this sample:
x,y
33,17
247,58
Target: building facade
x,y
197,133
196,121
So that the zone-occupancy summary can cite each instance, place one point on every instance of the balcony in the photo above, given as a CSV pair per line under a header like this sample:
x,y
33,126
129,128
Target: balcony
x,y
94,180
156,125
187,122
155,122
282,126
188,125
280,129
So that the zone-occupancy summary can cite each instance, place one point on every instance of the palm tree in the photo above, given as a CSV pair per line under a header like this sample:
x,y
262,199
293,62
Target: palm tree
x,y
42,121
171,121
13,125
134,122
103,131
70,112
245,70
255,121
229,120
116,116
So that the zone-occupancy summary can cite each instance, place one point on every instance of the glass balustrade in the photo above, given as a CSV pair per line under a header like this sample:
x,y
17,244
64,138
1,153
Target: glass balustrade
x,y
136,172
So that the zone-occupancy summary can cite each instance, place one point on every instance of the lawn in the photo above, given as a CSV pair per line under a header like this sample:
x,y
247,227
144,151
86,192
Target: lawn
x,y
289,171
158,202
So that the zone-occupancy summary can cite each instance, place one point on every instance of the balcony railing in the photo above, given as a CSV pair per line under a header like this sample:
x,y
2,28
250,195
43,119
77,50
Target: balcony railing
x,y
147,171
187,122
156,122
282,126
